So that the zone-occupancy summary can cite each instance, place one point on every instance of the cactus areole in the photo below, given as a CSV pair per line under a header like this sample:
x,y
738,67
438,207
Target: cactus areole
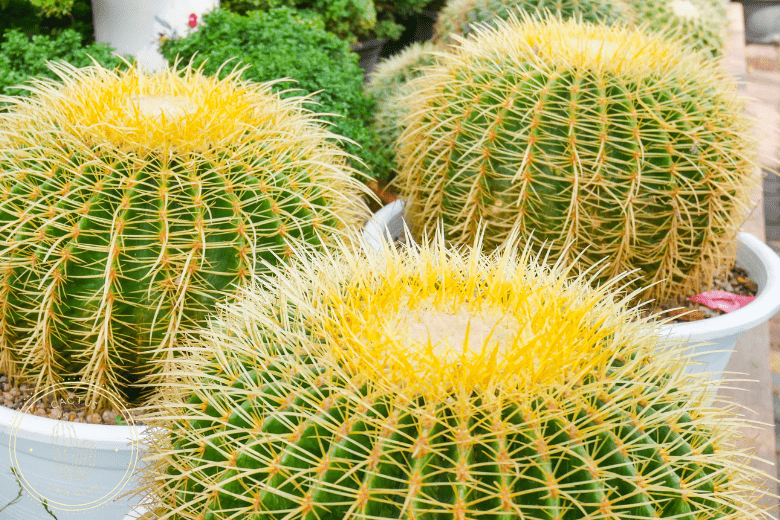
x,y
440,384
131,203
625,145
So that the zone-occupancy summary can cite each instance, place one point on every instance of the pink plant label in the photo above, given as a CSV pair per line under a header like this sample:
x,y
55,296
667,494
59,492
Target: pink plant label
x,y
722,300
193,20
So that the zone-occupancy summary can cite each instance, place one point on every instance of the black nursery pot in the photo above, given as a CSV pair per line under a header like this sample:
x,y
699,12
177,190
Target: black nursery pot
x,y
369,52
417,28
424,22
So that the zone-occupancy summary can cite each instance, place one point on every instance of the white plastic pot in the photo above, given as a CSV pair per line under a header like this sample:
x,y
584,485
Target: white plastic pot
x,y
712,340
80,470
134,27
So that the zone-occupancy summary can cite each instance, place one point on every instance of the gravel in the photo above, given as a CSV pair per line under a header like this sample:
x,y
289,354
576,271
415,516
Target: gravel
x,y
736,281
18,397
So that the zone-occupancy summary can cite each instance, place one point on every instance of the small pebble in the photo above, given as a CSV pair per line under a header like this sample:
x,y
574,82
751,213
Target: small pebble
x,y
109,417
55,413
747,282
94,418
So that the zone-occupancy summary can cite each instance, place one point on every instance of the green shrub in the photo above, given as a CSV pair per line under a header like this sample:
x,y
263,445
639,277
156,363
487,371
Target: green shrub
x,y
54,7
285,43
49,17
22,57
351,20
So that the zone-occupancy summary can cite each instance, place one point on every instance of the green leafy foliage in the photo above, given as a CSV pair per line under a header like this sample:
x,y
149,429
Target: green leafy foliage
x,y
53,7
285,43
349,19
31,18
22,57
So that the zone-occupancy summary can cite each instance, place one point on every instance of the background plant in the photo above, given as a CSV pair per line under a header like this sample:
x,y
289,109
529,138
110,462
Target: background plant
x,y
388,87
132,203
285,43
703,24
458,17
30,18
23,57
628,146
494,388
349,19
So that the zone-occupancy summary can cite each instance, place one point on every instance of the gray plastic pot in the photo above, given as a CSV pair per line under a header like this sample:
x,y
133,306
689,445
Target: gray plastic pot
x,y
712,340
79,470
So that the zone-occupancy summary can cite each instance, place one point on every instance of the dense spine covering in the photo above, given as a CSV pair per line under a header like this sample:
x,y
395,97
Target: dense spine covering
x,y
452,19
702,24
620,143
291,44
131,203
460,17
442,384
389,86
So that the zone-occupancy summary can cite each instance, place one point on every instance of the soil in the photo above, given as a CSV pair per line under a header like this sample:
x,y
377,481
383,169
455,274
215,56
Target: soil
x,y
736,281
16,397
386,192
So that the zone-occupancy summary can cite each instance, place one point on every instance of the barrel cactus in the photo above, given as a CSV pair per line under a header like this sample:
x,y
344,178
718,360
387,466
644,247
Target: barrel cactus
x,y
458,17
441,383
619,143
388,86
453,19
703,24
131,203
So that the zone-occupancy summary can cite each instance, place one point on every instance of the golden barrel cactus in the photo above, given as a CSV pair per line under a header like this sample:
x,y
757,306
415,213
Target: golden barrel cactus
x,y
621,143
130,203
446,384
389,86
702,24
460,17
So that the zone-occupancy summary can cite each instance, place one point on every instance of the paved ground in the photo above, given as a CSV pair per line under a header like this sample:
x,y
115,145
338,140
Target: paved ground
x,y
763,84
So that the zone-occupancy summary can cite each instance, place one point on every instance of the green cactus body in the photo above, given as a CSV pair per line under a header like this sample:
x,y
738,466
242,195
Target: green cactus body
x,y
616,142
389,86
452,19
702,24
459,17
132,203
443,384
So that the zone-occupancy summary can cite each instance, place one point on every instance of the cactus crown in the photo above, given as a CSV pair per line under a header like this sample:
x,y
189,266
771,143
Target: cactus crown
x,y
621,143
408,383
132,202
461,322
181,111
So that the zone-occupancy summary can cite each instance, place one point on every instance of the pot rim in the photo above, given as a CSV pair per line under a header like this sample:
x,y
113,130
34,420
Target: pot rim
x,y
766,304
36,428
